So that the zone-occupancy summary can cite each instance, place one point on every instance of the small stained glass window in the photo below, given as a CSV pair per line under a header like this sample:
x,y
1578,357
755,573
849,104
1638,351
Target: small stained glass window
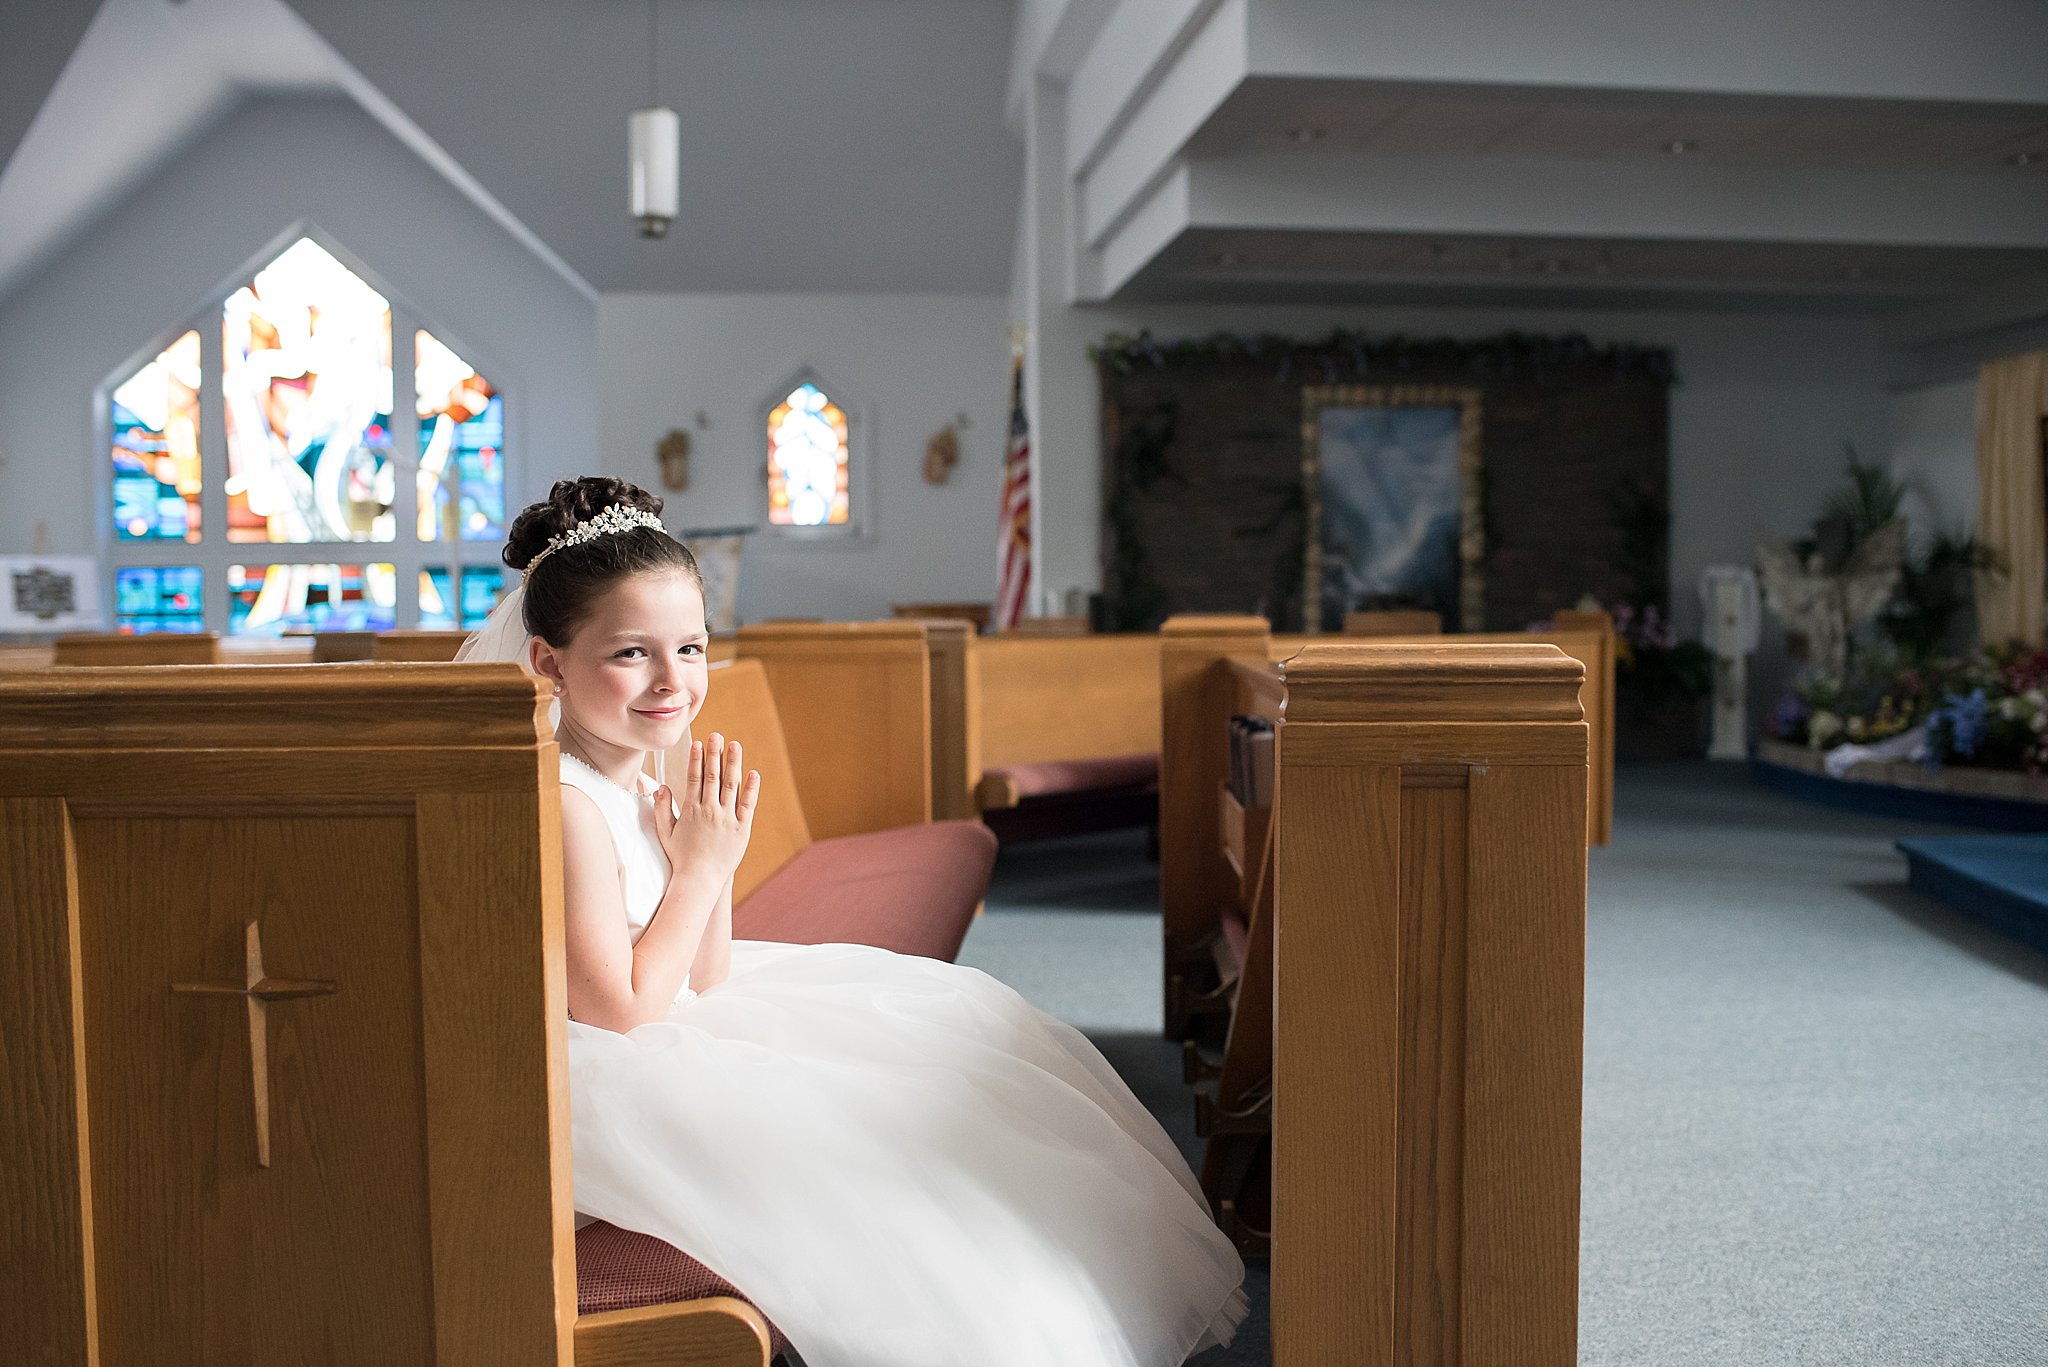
x,y
267,600
156,447
462,447
808,454
150,598
445,607
307,388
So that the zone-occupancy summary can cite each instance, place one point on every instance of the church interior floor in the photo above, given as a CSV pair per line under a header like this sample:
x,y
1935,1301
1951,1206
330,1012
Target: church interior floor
x,y
1816,1103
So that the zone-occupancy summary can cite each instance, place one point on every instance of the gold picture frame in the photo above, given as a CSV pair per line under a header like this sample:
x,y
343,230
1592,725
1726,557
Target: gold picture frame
x,y
1471,527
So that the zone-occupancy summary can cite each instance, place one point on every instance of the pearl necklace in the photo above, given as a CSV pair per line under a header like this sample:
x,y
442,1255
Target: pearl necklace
x,y
606,778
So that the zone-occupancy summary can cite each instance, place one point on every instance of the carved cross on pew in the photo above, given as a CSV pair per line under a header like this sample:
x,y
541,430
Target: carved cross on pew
x,y
257,990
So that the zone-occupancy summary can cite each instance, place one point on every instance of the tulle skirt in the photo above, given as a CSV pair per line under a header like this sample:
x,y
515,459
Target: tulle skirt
x,y
904,1164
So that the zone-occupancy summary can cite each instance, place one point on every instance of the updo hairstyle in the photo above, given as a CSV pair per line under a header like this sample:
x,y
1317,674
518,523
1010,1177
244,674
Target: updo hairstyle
x,y
560,592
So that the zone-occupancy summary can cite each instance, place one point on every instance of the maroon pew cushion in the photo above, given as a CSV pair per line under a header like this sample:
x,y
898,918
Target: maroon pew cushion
x,y
1082,775
913,889
617,1269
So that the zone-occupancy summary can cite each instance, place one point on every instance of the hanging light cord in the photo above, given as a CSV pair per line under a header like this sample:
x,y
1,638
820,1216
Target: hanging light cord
x,y
653,51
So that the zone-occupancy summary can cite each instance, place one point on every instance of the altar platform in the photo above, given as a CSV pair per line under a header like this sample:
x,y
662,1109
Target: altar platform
x,y
1999,881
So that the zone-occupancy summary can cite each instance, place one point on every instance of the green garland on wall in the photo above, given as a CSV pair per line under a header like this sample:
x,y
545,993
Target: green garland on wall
x,y
1351,354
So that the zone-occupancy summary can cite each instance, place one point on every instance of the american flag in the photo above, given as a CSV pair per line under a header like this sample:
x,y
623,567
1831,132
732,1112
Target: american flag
x,y
1013,580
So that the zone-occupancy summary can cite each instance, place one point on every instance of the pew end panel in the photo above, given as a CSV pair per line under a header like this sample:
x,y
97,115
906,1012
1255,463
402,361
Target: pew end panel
x,y
1198,692
1430,883
290,1008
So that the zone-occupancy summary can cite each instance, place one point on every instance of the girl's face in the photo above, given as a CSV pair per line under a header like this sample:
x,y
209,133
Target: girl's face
x,y
633,675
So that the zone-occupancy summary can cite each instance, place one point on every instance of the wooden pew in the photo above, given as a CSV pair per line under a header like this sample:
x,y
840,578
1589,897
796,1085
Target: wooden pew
x,y
282,998
854,700
975,614
157,648
1416,1046
1030,700
1394,622
914,888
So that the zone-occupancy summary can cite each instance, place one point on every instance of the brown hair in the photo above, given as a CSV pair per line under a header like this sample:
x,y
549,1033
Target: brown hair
x,y
559,593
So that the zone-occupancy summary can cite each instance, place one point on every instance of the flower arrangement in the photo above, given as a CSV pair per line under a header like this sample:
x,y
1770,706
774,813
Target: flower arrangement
x,y
1986,710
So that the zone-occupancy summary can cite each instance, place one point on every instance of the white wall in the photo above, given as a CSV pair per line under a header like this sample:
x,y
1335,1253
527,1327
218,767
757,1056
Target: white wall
x,y
1757,420
158,258
1934,449
909,363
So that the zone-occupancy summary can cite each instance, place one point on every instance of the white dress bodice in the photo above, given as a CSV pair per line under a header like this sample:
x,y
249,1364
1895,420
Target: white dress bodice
x,y
643,866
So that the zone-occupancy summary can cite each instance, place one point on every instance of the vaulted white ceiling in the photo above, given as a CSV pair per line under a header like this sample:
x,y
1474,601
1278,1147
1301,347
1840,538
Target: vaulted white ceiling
x,y
828,145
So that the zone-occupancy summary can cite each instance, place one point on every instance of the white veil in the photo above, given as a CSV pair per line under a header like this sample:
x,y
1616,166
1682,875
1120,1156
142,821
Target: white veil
x,y
503,636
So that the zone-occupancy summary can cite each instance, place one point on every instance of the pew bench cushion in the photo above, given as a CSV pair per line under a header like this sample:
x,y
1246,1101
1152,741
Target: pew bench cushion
x,y
1009,786
619,1269
913,890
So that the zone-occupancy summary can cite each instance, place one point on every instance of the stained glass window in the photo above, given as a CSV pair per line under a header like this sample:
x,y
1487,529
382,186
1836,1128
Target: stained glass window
x,y
151,598
307,386
266,600
807,461
462,446
445,608
156,447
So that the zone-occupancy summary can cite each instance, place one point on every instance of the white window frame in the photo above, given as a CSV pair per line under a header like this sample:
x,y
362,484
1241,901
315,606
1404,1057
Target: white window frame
x,y
213,553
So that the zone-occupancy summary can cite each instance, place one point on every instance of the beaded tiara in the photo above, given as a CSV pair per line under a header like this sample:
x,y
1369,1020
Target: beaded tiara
x,y
610,522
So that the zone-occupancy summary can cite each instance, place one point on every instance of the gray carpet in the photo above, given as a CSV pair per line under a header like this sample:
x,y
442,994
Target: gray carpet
x,y
1816,1103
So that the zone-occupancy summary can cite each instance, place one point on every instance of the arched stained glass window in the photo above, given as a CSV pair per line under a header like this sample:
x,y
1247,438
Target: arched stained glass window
x,y
462,446
809,453
306,384
155,422
320,445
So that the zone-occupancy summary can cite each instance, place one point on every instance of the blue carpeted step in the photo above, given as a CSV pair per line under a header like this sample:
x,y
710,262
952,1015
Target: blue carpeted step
x,y
2000,881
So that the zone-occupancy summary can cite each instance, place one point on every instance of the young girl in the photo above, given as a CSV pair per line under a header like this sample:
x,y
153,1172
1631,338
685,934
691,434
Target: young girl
x,y
899,1160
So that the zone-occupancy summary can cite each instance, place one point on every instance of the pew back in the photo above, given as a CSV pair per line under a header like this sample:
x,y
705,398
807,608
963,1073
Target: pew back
x,y
157,648
854,699
1065,697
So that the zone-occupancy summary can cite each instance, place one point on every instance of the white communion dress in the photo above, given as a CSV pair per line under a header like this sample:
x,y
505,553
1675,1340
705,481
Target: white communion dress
x,y
902,1162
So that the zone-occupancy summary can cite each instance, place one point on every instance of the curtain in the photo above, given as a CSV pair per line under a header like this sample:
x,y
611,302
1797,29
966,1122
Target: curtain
x,y
2012,398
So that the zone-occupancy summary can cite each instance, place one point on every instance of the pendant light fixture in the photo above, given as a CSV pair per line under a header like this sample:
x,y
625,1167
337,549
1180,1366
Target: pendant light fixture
x,y
654,143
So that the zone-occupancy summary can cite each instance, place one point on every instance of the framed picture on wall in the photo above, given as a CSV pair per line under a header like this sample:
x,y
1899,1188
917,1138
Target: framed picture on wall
x,y
1390,478
50,593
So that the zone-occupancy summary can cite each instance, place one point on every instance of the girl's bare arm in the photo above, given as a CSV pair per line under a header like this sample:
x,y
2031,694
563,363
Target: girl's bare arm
x,y
615,983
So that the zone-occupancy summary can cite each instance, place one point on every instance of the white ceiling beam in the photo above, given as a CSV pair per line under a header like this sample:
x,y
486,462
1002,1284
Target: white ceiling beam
x,y
1129,164
1157,219
1994,308
1946,50
1501,196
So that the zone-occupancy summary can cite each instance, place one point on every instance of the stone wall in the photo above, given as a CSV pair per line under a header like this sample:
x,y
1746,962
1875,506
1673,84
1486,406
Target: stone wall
x,y
1202,459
